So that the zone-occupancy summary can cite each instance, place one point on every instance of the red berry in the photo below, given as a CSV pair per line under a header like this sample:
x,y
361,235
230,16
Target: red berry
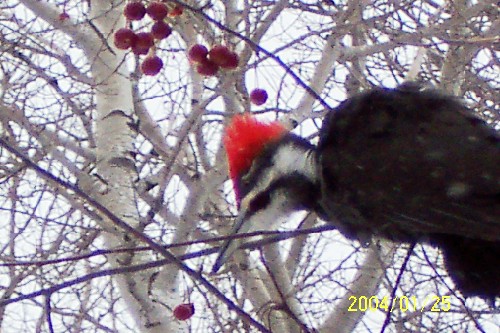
x,y
258,96
134,11
219,54
160,30
152,65
232,61
184,311
140,50
157,10
207,68
125,38
63,16
145,41
177,11
197,53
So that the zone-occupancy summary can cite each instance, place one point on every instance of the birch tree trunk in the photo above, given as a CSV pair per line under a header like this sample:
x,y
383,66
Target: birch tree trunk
x,y
117,172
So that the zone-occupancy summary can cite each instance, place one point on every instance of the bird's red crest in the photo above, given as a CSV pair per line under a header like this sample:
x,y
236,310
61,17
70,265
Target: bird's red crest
x,y
244,139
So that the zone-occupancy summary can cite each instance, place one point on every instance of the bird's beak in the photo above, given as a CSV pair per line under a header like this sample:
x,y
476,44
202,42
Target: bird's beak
x,y
231,245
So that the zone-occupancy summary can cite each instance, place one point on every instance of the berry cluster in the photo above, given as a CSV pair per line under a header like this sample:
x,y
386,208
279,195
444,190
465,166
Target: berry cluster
x,y
208,62
142,43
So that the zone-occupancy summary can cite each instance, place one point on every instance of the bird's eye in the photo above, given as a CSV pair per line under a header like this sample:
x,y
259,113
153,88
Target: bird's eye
x,y
260,201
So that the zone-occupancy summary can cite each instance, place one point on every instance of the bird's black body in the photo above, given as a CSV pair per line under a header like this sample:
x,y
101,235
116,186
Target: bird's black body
x,y
412,165
411,162
402,164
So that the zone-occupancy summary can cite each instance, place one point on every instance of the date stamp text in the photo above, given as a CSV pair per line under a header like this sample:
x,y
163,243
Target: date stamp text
x,y
431,303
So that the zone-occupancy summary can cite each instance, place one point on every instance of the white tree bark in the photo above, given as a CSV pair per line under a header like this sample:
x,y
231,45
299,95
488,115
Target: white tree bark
x,y
114,142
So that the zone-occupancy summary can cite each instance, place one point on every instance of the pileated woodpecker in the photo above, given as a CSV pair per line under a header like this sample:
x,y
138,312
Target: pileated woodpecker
x,y
405,164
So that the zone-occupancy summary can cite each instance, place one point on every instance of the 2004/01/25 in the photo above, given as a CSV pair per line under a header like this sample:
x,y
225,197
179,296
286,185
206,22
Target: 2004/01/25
x,y
363,303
